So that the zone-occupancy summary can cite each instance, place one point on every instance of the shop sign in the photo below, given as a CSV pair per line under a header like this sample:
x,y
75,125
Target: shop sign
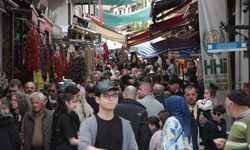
x,y
226,47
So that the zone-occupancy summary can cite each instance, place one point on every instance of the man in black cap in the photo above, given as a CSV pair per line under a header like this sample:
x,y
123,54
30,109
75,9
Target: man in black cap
x,y
106,130
239,137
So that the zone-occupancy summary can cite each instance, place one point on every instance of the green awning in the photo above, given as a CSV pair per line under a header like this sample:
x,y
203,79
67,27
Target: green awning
x,y
116,20
119,2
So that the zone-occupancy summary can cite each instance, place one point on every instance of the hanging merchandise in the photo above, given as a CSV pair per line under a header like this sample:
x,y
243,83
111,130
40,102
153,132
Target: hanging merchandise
x,y
66,67
37,76
45,61
32,51
51,75
134,59
105,53
58,66
65,60
78,69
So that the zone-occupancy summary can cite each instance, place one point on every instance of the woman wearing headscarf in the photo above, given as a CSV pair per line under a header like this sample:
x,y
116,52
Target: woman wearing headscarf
x,y
176,134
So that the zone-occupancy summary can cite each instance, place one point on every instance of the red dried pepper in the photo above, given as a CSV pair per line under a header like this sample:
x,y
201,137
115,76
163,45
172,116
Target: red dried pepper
x,y
32,52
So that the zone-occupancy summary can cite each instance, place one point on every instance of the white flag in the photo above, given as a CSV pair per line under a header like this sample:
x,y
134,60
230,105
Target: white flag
x,y
215,66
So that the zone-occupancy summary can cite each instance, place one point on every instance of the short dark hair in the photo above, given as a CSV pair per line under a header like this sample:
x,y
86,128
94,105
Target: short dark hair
x,y
154,120
15,82
219,108
72,89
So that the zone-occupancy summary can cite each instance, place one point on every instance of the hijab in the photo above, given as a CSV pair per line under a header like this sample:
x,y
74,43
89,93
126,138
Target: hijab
x,y
178,108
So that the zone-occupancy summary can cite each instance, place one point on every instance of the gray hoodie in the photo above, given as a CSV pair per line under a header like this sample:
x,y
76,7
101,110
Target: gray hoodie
x,y
88,131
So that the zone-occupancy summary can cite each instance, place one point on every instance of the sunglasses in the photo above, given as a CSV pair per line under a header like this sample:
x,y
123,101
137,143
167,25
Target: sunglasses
x,y
52,91
216,113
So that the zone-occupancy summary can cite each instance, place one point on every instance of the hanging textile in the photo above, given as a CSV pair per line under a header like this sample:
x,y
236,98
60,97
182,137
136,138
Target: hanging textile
x,y
116,20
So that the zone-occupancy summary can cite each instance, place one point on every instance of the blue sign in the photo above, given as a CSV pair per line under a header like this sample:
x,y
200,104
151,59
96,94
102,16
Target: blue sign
x,y
226,47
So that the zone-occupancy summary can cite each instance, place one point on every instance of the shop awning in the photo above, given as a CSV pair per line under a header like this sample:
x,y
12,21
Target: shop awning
x,y
156,30
105,31
162,5
188,35
154,49
166,9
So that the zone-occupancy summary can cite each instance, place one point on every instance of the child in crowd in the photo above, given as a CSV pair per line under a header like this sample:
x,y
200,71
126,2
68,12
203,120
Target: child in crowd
x,y
208,102
153,124
205,106
215,128
155,142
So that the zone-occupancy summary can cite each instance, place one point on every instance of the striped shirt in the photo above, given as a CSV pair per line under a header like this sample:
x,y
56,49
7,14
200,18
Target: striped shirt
x,y
239,136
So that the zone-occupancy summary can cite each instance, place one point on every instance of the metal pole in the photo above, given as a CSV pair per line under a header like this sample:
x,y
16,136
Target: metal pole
x,y
1,49
248,50
12,44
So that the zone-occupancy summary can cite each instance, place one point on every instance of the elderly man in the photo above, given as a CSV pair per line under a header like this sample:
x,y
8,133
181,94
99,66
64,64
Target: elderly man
x,y
37,124
239,136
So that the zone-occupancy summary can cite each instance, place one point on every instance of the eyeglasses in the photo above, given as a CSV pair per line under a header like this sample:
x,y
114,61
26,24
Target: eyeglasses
x,y
216,113
108,96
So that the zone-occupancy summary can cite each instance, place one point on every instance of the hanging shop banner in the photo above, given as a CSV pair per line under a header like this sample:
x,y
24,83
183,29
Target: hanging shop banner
x,y
215,65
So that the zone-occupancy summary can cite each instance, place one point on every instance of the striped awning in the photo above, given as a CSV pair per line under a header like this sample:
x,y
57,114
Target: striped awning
x,y
106,32
149,50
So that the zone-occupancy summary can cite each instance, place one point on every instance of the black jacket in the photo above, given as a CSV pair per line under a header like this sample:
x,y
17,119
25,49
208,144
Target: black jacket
x,y
136,113
194,133
211,131
9,137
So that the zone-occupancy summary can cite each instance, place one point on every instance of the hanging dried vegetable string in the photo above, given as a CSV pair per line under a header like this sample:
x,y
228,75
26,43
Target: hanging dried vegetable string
x,y
78,69
58,66
45,61
32,51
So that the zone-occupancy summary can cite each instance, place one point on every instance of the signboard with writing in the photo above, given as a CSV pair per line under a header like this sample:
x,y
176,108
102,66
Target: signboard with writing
x,y
226,47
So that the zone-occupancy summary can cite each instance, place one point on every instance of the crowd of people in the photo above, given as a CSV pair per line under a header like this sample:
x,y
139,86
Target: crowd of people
x,y
122,109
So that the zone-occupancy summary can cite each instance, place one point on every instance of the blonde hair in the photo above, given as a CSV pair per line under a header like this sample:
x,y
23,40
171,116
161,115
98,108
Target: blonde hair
x,y
83,109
